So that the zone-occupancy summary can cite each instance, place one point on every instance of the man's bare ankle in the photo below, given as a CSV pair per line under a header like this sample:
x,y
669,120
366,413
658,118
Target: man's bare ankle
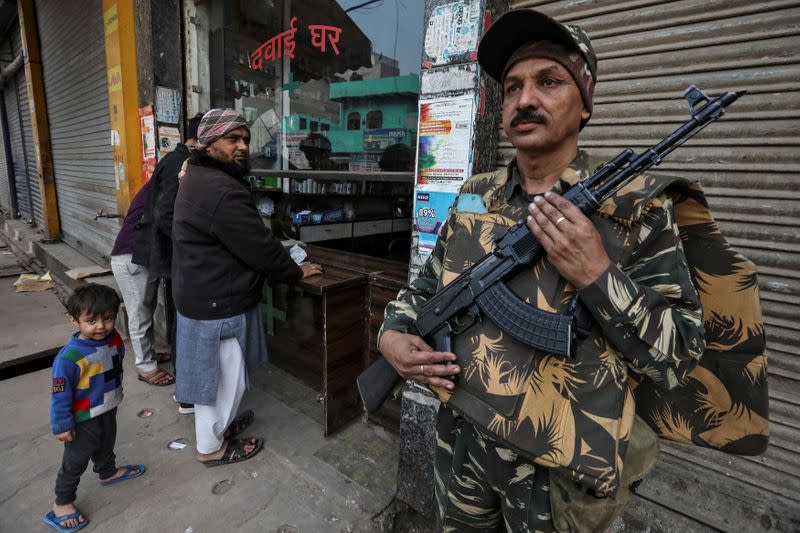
x,y
69,507
213,455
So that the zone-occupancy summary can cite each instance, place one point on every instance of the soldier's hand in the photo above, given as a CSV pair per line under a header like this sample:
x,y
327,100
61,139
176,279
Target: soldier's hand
x,y
310,269
414,359
570,239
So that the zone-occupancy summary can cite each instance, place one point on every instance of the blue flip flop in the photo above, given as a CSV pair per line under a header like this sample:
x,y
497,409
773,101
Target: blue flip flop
x,y
55,521
126,475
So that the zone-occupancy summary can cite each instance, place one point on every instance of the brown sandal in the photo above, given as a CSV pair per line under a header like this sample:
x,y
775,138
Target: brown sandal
x,y
158,377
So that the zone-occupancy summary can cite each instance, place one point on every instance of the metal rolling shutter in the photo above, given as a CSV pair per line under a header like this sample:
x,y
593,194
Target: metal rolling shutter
x,y
16,125
74,65
749,163
5,198
30,164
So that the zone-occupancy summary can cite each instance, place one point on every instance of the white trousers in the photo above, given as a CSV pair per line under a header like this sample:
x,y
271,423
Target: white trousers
x,y
140,293
211,421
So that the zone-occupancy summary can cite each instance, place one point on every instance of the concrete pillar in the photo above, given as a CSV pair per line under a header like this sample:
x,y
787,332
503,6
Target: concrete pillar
x,y
38,108
450,70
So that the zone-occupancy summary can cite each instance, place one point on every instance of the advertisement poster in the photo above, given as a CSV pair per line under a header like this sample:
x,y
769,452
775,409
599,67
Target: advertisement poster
x,y
430,212
168,139
168,105
147,124
297,159
445,134
452,32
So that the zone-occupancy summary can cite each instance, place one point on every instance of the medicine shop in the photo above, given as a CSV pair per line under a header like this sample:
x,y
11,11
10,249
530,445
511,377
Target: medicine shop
x,y
331,89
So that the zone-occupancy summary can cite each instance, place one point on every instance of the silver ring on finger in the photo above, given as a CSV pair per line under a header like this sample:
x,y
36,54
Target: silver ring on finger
x,y
560,220
422,369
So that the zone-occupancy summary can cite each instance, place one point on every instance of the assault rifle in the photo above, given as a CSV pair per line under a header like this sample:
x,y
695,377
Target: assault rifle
x,y
480,292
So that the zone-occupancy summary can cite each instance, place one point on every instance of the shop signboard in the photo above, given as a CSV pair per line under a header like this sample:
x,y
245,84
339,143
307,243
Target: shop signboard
x,y
283,44
378,140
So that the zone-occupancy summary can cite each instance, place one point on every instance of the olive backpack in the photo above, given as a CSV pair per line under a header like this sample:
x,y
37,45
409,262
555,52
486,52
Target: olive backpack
x,y
723,402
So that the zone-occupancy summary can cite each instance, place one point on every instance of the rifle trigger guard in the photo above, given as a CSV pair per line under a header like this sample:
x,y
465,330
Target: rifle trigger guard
x,y
467,319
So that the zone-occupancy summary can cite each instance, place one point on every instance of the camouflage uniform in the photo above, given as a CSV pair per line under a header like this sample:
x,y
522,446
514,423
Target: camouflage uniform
x,y
574,414
480,485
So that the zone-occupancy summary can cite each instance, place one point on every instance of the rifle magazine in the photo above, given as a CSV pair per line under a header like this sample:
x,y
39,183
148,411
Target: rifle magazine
x,y
549,332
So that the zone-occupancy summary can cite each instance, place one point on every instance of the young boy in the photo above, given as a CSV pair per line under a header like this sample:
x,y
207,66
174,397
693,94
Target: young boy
x,y
87,388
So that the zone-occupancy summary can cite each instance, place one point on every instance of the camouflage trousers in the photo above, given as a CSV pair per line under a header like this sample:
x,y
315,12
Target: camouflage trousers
x,y
481,486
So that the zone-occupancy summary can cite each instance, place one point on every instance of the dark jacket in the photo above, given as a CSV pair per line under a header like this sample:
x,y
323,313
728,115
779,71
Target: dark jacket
x,y
153,246
221,251
130,232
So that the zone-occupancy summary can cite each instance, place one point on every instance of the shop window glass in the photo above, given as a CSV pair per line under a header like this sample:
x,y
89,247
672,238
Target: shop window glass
x,y
297,67
354,121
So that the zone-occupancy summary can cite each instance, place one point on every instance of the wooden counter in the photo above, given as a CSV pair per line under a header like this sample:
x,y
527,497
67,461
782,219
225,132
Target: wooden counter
x,y
323,330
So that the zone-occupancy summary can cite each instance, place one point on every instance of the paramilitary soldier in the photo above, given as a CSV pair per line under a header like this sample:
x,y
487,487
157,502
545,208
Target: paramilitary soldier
x,y
527,440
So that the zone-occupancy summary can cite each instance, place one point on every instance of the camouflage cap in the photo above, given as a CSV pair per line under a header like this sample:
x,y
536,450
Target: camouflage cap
x,y
521,26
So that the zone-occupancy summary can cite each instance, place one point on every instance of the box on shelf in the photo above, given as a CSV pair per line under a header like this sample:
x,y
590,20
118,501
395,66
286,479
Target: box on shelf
x,y
301,217
325,216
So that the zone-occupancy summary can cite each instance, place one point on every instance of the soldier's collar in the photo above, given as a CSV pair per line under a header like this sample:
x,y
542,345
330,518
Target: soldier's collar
x,y
577,170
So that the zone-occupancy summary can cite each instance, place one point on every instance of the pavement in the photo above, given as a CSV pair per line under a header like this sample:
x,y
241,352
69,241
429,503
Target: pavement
x,y
300,482
33,324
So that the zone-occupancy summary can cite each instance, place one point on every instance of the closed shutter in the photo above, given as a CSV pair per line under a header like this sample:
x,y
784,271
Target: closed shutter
x,y
74,65
749,164
5,195
16,131
29,149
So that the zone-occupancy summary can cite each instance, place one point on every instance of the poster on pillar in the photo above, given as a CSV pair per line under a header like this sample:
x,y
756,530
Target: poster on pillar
x,y
451,32
168,139
430,212
147,123
445,141
168,105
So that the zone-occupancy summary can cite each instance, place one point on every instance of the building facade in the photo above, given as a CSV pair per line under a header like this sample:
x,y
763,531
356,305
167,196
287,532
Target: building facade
x,y
341,97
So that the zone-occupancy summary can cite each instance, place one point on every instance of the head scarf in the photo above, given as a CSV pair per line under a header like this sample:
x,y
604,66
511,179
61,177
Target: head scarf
x,y
216,124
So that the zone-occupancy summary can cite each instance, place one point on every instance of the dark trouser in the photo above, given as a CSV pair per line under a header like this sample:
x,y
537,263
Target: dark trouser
x,y
482,486
94,439
172,319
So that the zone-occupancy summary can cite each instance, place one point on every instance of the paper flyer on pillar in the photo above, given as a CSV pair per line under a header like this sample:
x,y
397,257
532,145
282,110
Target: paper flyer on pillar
x,y
430,213
445,135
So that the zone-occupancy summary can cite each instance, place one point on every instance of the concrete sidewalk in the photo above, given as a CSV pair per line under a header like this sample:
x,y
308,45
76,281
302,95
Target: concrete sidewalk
x,y
33,324
300,482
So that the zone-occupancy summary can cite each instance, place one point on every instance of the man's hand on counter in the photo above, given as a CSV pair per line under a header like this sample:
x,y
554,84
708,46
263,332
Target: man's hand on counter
x,y
310,269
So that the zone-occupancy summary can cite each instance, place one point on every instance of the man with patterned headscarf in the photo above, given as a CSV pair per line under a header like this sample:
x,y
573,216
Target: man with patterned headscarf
x,y
529,440
222,255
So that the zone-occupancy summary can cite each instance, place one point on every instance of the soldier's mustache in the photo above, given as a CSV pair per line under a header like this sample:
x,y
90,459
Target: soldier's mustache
x,y
527,115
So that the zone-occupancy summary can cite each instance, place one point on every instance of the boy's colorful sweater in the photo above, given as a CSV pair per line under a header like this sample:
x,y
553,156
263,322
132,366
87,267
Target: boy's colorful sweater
x,y
87,380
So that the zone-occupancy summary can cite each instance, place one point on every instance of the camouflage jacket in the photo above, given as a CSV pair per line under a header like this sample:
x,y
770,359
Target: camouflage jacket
x,y
575,413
